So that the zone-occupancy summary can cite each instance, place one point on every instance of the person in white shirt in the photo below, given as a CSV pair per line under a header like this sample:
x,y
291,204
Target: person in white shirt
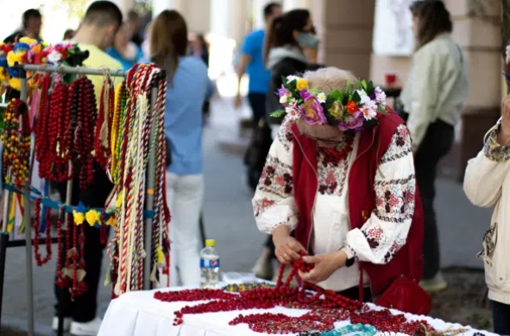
x,y
487,184
433,97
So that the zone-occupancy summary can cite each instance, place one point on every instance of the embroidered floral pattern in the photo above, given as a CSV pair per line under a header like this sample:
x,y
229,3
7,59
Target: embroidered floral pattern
x,y
400,145
374,236
276,178
490,239
332,169
395,199
262,205
395,247
494,151
285,134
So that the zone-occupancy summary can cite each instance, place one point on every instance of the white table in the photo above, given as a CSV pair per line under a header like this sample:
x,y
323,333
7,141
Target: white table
x,y
139,314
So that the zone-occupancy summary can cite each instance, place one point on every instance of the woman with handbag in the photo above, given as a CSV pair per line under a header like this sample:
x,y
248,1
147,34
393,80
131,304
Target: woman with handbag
x,y
433,96
340,176
188,86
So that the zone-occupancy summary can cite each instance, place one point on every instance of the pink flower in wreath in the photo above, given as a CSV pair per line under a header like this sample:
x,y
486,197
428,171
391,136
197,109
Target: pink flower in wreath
x,y
352,122
312,110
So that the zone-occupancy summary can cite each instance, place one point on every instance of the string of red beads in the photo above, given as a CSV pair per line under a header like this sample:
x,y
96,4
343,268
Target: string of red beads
x,y
260,298
37,233
385,321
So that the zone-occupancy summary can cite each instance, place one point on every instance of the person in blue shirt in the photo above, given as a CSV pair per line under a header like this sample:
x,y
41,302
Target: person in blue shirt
x,y
188,86
252,63
124,50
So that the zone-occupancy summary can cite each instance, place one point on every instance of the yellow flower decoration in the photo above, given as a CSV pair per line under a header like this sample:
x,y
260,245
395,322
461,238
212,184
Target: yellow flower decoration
x,y
15,83
13,57
78,217
93,216
111,221
161,256
302,84
27,40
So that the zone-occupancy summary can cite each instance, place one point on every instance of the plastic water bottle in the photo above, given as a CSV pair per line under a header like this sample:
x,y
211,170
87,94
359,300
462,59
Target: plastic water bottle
x,y
209,266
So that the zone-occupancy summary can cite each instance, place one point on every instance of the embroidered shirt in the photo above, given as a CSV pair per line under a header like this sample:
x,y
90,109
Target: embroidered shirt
x,y
383,234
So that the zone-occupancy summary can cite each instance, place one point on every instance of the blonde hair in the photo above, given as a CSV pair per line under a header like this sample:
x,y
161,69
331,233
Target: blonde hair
x,y
329,79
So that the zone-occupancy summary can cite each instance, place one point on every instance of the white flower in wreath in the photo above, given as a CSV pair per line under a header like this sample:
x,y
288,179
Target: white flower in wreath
x,y
292,109
292,78
54,57
321,97
369,110
364,97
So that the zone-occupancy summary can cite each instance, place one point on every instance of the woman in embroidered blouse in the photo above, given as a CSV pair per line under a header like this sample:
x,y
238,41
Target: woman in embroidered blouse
x,y
343,228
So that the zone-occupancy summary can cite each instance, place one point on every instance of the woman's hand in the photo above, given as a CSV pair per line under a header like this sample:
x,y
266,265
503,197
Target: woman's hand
x,y
287,248
325,265
504,131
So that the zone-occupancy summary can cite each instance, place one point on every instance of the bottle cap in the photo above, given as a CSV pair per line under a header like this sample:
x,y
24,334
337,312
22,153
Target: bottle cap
x,y
210,242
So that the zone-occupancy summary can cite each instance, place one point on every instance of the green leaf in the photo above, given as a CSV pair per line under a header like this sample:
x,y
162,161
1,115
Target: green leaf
x,y
371,87
336,95
356,97
364,85
278,113
347,86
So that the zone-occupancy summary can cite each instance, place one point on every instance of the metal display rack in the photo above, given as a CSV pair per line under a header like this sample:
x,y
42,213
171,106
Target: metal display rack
x,y
27,242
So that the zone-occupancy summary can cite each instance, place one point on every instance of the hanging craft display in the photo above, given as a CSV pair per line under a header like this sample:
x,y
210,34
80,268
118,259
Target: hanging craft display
x,y
16,142
131,145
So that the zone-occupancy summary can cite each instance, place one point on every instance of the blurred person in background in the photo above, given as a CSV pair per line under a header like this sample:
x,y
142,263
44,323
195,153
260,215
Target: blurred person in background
x,y
69,34
252,63
31,22
187,89
432,98
136,23
487,184
291,48
124,50
199,48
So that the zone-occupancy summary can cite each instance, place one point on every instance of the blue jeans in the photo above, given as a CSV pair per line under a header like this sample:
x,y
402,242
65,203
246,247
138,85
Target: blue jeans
x,y
501,316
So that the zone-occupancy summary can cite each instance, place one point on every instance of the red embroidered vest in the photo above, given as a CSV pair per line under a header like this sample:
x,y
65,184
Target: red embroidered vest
x,y
373,143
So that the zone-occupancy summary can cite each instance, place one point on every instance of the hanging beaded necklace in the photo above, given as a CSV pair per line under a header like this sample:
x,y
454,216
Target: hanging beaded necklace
x,y
131,145
16,141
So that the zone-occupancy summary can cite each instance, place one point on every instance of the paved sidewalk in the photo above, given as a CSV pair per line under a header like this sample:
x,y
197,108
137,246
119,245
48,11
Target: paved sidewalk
x,y
228,219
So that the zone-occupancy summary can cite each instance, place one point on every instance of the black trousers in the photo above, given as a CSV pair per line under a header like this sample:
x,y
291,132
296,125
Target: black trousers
x,y
258,106
437,143
84,307
501,316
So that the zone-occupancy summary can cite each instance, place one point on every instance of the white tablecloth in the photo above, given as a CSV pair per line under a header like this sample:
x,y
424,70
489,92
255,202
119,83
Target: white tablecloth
x,y
139,314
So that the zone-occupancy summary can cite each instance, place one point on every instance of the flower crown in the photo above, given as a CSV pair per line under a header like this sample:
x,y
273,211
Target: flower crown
x,y
353,108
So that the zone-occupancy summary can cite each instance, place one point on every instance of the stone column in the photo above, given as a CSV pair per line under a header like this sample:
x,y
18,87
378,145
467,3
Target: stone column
x,y
477,29
345,28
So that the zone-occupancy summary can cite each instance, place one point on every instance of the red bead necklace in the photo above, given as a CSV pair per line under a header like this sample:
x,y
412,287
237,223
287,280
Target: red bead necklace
x,y
261,298
385,321
102,138
37,224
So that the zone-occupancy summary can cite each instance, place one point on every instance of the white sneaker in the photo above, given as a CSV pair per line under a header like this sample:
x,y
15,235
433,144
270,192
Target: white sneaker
x,y
86,329
434,285
67,323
